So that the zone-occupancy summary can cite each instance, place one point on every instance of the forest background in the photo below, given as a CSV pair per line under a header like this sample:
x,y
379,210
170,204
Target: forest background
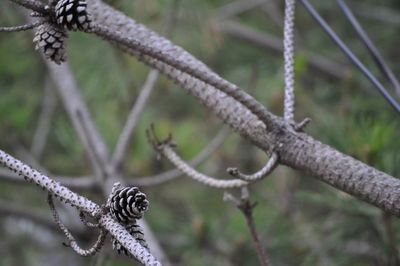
x,y
300,221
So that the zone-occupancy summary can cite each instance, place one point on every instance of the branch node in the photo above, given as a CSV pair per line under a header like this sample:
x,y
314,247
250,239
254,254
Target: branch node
x,y
300,126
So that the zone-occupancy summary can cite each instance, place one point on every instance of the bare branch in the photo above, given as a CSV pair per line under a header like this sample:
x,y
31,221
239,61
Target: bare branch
x,y
246,207
235,8
22,27
265,171
11,209
78,183
211,78
295,149
130,126
171,174
288,55
128,241
72,242
83,204
270,42
48,184
79,114
43,128
165,148
33,5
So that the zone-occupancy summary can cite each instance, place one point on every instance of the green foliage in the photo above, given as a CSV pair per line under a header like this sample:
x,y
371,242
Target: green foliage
x,y
300,221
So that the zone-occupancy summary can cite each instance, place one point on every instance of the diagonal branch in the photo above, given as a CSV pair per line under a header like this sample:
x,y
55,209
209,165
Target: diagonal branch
x,y
83,204
130,126
33,5
44,124
22,27
267,41
295,149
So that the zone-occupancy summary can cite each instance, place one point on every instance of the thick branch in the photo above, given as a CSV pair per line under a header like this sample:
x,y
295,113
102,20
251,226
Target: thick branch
x,y
295,149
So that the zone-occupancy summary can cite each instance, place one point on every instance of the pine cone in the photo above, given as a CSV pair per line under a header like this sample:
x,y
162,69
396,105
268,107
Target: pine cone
x,y
128,204
50,40
134,230
72,15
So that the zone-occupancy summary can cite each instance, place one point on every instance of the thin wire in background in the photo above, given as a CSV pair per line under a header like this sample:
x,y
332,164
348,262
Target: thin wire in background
x,y
351,56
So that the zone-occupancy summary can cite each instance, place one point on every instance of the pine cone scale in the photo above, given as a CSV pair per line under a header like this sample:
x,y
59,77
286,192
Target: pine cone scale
x,y
50,40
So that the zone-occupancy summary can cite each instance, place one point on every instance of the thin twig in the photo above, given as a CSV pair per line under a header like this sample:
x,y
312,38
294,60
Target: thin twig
x,y
12,209
235,8
265,171
383,66
165,149
171,174
130,126
86,222
350,55
44,124
33,5
72,242
78,113
391,238
269,42
246,207
22,27
151,80
288,55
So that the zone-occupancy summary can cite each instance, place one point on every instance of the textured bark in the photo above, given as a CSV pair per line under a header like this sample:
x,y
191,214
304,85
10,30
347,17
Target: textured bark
x,y
296,150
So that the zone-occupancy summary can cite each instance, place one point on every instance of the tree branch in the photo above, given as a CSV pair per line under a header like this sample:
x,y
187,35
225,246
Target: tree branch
x,y
295,149
174,173
83,204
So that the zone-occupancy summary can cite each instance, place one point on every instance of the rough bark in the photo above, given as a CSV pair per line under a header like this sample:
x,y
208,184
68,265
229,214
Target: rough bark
x,y
297,150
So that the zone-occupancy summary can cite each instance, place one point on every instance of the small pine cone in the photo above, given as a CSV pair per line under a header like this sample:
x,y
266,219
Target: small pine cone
x,y
50,40
128,204
72,15
134,230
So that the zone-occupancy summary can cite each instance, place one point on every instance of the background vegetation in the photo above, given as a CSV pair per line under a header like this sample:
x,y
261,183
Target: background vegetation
x,y
300,221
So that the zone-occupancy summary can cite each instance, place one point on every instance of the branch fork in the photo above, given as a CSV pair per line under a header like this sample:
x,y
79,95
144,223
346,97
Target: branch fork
x,y
165,148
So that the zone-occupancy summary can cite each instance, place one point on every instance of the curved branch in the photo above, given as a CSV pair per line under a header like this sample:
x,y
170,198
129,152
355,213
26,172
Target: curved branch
x,y
295,149
72,242
266,170
174,173
164,148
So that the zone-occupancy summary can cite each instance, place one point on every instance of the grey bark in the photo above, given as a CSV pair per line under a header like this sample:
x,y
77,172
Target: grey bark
x,y
297,150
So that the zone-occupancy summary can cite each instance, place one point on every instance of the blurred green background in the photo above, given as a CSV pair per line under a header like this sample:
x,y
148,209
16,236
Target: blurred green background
x,y
300,221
